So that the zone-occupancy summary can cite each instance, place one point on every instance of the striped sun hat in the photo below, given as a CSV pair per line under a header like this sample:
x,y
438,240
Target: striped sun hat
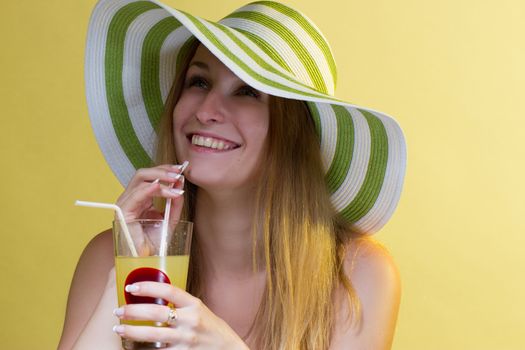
x,y
131,57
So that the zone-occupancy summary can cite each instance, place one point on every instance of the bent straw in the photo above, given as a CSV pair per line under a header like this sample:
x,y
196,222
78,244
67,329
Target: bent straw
x,y
120,216
164,235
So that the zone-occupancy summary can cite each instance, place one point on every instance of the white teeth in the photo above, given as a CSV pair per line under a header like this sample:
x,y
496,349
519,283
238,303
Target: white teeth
x,y
209,142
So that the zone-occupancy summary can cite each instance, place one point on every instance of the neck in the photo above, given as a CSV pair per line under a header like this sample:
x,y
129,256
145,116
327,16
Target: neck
x,y
224,228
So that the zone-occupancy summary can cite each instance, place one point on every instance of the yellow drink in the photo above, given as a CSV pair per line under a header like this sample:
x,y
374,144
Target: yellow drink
x,y
173,244
175,267
149,268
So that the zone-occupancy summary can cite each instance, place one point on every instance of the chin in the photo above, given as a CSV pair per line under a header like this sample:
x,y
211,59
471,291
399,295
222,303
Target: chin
x,y
212,180
206,177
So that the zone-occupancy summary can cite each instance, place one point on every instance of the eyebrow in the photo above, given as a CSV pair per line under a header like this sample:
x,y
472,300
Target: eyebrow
x,y
199,64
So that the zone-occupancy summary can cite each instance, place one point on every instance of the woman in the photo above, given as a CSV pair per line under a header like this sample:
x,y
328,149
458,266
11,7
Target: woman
x,y
283,182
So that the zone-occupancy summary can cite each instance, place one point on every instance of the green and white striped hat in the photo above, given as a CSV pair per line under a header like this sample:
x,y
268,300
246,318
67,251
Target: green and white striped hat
x,y
132,52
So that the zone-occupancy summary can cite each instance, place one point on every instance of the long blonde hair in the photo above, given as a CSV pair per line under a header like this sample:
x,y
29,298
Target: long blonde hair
x,y
296,230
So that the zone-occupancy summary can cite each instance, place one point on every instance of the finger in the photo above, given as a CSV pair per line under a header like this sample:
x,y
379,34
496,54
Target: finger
x,y
140,200
166,173
145,175
168,292
141,197
143,312
170,191
185,317
168,335
130,190
169,174
137,201
146,187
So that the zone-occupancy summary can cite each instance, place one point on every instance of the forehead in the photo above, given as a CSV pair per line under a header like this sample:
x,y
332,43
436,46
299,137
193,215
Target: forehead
x,y
202,54
204,59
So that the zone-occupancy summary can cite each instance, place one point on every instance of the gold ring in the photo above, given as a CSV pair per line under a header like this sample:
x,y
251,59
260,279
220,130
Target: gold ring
x,y
172,317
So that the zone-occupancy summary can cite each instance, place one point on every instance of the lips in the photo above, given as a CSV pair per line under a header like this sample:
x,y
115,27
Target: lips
x,y
212,142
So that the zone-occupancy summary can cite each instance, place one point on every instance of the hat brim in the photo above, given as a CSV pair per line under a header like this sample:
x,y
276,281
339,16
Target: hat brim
x,y
132,52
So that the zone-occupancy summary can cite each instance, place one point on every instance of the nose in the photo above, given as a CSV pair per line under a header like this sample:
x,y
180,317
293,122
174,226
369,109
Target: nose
x,y
212,109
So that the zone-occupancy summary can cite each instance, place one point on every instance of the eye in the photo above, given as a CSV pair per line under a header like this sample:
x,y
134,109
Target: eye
x,y
197,81
247,90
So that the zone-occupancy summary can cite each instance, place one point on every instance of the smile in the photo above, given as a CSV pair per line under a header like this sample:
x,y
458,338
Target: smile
x,y
213,143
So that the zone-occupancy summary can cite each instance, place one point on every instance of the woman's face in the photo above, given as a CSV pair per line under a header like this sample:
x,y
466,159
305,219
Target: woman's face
x,y
220,125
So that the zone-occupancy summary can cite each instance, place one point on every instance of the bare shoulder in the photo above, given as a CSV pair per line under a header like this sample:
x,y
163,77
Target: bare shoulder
x,y
96,259
100,246
94,264
376,282
87,286
369,263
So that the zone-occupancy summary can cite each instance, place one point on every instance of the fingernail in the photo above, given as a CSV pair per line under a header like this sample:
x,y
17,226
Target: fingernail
x,y
118,312
118,329
176,191
174,175
182,166
155,182
131,288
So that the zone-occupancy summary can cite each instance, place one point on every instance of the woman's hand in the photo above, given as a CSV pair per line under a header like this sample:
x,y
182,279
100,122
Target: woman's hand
x,y
195,326
161,181
137,200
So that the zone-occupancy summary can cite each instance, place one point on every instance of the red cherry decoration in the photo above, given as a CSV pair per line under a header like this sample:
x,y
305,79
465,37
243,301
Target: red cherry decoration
x,y
145,274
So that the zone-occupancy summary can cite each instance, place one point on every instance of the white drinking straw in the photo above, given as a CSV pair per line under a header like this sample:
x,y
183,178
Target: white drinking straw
x,y
120,216
163,250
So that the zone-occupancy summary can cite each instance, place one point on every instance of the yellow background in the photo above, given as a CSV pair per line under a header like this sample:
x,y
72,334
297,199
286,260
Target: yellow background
x,y
452,72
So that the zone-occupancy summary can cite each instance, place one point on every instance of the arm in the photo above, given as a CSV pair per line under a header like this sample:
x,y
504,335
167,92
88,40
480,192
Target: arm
x,y
92,295
375,279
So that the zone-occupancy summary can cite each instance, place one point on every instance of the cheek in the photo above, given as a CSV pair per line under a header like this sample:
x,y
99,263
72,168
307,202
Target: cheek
x,y
181,113
178,123
260,134
259,127
254,118
177,115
